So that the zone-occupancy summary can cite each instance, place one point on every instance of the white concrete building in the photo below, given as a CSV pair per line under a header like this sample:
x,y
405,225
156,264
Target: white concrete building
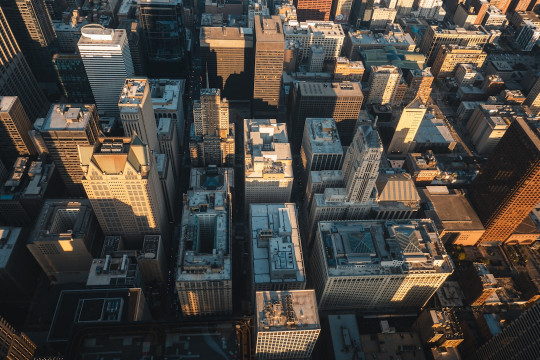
x,y
107,61
268,162
383,83
276,248
406,129
325,33
375,265
167,101
287,324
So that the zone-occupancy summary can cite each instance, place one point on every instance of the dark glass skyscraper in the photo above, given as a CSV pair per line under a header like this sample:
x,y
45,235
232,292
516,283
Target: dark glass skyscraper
x,y
508,186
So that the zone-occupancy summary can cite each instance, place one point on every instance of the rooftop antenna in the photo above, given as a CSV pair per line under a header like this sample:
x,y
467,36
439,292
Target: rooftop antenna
x,y
374,126
207,81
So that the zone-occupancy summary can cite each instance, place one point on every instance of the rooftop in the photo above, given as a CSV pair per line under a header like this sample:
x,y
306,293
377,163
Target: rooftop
x,y
267,148
97,35
132,92
433,129
28,179
166,93
403,345
205,240
323,136
396,187
113,272
61,220
150,246
330,89
226,36
276,244
8,239
293,310
345,337
394,35
68,117
212,178
315,28
6,102
268,29
450,209
378,247
389,55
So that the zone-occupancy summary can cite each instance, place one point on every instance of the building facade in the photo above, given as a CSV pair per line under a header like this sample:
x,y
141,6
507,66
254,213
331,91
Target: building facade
x,y
14,127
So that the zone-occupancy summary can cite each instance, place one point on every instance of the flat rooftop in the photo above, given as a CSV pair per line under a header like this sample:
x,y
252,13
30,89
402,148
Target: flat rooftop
x,y
378,247
132,92
8,239
6,102
345,337
67,117
315,28
212,178
226,36
323,136
330,89
267,145
167,93
367,37
451,208
93,307
97,35
293,310
112,272
276,244
268,29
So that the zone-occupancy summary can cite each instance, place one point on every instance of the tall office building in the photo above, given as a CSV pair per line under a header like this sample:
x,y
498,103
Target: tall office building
x,y
137,46
268,162
321,147
341,10
137,112
168,144
73,79
506,189
16,79
65,239
212,138
14,127
375,265
227,55
65,128
383,84
15,345
204,274
406,129
450,56
32,27
313,9
167,97
324,34
418,85
361,164
361,13
276,248
107,61
122,182
269,52
437,36
516,341
340,101
163,28
287,324
533,98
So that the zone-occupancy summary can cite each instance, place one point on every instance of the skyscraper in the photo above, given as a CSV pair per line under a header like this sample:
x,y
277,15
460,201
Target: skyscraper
x,y
212,140
107,60
227,55
506,189
321,148
287,324
418,84
73,79
14,344
377,265
161,22
203,275
269,52
406,129
341,10
268,162
313,9
450,56
65,128
121,180
383,83
361,165
14,127
340,101
65,239
16,79
30,22
137,112
516,341
533,98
